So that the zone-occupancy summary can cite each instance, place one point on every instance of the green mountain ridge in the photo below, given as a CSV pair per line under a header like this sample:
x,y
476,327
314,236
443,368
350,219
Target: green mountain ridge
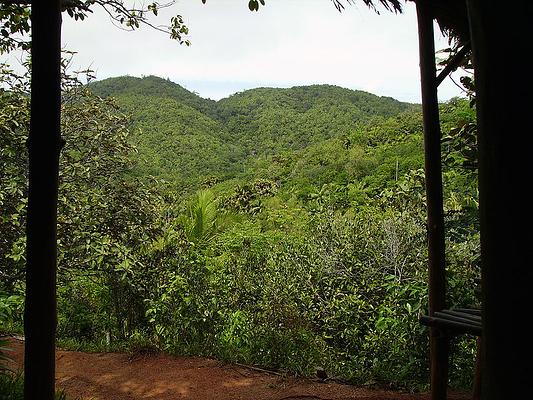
x,y
151,86
184,138
291,234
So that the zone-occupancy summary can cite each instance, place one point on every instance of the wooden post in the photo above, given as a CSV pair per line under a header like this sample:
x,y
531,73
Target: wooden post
x,y
435,218
501,35
41,251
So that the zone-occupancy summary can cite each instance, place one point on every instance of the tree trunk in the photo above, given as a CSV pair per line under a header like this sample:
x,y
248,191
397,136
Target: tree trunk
x,y
501,41
41,251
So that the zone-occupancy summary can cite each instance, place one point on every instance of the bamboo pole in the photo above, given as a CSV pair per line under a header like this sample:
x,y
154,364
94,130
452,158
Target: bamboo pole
x,y
435,218
41,248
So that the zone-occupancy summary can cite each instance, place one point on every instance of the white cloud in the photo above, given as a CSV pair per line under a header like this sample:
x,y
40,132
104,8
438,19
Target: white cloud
x,y
288,42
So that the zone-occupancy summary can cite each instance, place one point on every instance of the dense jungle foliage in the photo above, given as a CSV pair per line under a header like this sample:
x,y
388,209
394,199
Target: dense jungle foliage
x,y
278,227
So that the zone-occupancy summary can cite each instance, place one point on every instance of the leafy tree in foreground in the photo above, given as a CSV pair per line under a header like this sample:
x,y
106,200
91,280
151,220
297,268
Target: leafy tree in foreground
x,y
102,217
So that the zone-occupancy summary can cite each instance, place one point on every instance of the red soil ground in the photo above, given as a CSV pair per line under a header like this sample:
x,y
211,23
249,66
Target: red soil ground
x,y
117,376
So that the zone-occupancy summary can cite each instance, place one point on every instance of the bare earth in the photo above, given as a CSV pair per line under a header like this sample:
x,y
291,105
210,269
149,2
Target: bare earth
x,y
117,376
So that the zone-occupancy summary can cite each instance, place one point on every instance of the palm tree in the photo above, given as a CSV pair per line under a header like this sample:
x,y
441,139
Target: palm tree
x,y
202,222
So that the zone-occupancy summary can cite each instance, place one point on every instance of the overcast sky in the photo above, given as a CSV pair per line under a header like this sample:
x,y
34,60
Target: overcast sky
x,y
286,43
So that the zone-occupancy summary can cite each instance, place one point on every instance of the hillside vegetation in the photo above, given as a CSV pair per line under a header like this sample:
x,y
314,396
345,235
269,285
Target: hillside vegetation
x,y
184,138
283,228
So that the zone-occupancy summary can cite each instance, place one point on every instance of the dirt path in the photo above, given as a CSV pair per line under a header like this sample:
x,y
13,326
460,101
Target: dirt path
x,y
116,376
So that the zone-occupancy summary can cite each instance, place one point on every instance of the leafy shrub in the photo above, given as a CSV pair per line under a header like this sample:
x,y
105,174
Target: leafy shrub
x,y
12,388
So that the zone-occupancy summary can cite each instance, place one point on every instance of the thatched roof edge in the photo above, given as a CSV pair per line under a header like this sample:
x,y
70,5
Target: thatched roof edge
x,y
451,15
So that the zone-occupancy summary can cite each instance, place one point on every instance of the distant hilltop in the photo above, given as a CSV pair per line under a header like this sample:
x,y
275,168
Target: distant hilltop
x,y
181,135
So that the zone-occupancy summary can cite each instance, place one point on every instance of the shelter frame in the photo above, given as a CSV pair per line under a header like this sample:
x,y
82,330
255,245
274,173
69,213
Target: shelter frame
x,y
506,218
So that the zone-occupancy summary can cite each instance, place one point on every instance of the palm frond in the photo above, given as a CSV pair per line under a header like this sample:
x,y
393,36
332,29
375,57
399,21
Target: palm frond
x,y
202,219
390,5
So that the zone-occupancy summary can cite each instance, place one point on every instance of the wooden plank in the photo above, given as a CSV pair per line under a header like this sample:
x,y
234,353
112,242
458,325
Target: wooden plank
x,y
473,311
468,316
452,317
451,326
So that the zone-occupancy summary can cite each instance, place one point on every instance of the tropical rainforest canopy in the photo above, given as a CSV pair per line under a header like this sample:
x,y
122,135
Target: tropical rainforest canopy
x,y
278,227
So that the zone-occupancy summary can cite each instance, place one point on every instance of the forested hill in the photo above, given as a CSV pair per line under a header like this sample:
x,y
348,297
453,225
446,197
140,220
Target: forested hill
x,y
291,234
184,138
152,86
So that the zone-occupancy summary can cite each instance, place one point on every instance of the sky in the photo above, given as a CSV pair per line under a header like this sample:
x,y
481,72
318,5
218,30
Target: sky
x,y
287,43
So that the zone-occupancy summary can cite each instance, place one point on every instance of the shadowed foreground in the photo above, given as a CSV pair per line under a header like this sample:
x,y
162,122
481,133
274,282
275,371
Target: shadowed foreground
x,y
117,376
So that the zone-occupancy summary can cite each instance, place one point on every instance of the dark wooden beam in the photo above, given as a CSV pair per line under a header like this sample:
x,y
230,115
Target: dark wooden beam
x,y
453,63
435,217
41,249
450,326
501,37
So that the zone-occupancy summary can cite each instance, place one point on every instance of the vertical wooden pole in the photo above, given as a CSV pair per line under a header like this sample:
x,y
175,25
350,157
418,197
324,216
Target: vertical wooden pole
x,y
435,218
500,34
41,250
